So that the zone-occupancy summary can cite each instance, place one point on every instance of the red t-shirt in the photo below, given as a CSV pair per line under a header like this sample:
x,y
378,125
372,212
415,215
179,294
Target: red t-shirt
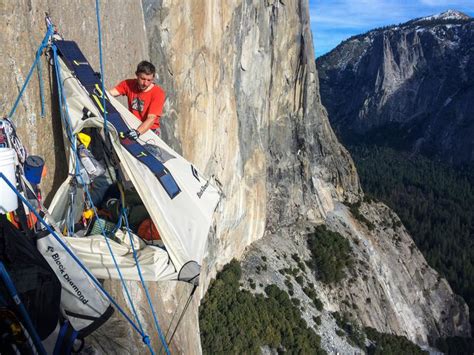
x,y
141,103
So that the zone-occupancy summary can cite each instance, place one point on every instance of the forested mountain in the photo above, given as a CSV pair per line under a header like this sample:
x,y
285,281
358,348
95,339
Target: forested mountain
x,y
409,86
401,98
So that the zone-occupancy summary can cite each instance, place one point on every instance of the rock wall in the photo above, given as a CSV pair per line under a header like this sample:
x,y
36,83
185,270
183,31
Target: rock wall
x,y
124,44
389,286
243,103
241,84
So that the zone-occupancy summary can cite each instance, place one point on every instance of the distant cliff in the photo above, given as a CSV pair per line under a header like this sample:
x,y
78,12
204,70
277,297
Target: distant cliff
x,y
409,86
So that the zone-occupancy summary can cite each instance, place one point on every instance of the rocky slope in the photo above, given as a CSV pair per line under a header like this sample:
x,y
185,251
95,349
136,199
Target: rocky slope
x,y
415,79
390,287
243,104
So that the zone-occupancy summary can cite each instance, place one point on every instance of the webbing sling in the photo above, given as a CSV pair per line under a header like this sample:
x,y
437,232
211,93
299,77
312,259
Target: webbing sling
x,y
65,340
78,64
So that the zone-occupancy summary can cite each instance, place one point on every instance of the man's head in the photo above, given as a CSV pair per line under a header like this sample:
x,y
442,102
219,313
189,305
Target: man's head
x,y
145,74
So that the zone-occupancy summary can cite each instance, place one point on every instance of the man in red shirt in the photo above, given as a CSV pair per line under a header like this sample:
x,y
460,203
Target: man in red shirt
x,y
145,99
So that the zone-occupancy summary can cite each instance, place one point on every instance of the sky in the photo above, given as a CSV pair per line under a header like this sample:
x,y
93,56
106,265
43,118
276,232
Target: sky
x,y
332,21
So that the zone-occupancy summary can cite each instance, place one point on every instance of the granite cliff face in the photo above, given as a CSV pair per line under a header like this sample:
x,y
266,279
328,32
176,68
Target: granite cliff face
x,y
243,89
23,30
243,105
415,79
389,287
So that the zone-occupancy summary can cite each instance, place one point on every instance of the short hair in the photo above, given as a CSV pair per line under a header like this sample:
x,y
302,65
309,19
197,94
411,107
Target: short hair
x,y
145,67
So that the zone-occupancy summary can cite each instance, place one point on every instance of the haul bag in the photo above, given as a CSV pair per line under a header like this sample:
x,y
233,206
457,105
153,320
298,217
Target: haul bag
x,y
82,302
36,283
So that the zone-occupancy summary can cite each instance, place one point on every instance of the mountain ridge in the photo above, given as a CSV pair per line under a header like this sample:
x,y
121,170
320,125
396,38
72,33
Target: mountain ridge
x,y
416,78
446,17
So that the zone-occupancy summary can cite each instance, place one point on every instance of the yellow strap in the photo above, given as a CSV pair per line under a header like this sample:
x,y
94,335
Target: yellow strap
x,y
79,63
96,99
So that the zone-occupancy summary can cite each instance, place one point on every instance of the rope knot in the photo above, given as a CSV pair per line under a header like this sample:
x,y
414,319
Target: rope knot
x,y
146,339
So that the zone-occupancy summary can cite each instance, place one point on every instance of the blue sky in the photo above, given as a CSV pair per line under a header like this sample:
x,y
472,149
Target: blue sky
x,y
332,21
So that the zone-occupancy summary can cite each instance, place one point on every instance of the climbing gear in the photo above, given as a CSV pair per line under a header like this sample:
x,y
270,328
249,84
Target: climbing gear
x,y
148,231
132,134
39,52
3,136
34,169
93,168
73,256
11,140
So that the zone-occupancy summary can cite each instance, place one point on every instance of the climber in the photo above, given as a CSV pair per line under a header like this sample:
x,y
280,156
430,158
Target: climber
x,y
145,99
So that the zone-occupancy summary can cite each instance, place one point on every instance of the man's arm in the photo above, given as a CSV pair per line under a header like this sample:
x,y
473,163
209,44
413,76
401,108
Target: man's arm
x,y
146,125
114,92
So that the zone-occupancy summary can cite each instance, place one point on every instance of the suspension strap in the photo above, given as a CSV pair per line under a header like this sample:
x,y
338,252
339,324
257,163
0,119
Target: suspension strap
x,y
155,318
42,46
99,32
188,302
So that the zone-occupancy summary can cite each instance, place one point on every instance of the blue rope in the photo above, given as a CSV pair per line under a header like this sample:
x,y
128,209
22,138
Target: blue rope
x,y
60,241
42,46
155,318
142,332
101,64
41,88
73,146
66,122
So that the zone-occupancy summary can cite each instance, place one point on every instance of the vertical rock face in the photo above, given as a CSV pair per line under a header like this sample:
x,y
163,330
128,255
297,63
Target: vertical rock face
x,y
415,79
391,285
124,44
243,105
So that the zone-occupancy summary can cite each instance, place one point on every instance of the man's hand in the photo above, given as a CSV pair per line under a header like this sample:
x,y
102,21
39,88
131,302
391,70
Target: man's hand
x,y
132,134
114,92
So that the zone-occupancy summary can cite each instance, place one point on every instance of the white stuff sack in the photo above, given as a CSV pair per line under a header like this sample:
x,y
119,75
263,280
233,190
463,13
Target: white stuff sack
x,y
82,303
